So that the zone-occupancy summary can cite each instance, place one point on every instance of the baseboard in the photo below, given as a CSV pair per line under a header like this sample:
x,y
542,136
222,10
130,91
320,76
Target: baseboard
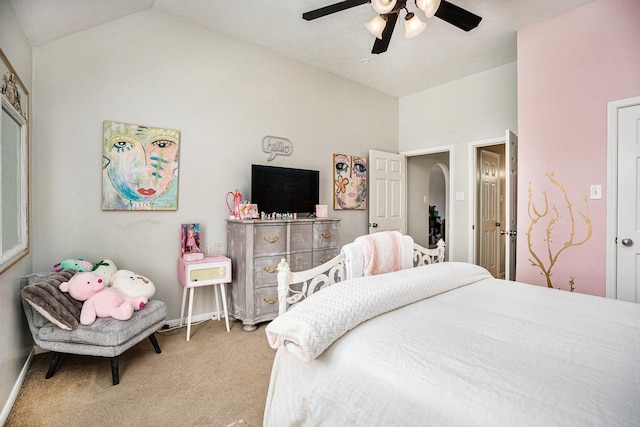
x,y
16,389
195,319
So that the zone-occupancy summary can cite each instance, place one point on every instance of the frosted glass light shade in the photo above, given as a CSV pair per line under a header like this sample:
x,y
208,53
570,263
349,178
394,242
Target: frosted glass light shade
x,y
376,26
383,6
430,7
413,26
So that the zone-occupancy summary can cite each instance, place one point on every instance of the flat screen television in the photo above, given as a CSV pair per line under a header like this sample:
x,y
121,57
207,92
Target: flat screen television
x,y
284,190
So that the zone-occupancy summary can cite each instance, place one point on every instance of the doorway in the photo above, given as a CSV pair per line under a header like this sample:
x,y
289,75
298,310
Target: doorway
x,y
495,243
429,197
490,248
623,236
489,208
437,201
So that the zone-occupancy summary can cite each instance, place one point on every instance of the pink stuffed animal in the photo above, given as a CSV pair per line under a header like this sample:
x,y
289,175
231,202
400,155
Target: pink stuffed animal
x,y
100,301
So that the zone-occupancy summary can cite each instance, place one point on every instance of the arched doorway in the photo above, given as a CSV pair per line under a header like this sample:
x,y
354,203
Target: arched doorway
x,y
438,193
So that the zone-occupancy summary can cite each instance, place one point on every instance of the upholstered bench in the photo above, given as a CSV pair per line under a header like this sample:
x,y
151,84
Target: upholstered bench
x,y
106,337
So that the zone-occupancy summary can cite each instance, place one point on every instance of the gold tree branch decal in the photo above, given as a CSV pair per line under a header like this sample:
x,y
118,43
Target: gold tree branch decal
x,y
552,216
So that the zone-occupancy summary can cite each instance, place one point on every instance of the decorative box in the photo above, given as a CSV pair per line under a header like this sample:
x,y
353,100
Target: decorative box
x,y
321,211
249,211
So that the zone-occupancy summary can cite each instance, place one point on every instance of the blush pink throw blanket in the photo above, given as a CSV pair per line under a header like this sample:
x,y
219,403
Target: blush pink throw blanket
x,y
383,252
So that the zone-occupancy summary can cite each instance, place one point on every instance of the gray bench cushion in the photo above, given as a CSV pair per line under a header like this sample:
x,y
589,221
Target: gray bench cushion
x,y
107,331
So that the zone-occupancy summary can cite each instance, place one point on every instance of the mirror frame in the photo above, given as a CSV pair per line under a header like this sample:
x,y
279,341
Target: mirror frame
x,y
15,102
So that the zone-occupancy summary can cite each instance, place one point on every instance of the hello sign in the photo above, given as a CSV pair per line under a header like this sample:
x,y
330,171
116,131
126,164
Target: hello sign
x,y
276,146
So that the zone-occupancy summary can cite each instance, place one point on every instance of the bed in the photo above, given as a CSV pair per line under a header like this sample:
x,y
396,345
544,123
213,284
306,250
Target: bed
x,y
446,344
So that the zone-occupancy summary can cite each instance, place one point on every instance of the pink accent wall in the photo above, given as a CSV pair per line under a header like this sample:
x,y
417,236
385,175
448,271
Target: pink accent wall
x,y
569,67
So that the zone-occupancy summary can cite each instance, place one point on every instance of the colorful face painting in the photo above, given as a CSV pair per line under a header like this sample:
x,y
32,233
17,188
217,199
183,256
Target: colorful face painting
x,y
139,167
350,184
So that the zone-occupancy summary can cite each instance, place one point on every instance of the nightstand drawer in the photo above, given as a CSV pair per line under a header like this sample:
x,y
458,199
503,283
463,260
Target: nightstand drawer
x,y
212,273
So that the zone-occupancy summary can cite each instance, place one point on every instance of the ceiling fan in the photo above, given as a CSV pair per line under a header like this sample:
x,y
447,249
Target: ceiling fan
x,y
382,25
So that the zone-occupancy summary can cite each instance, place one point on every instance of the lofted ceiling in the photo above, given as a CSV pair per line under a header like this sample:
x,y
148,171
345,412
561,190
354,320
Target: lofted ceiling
x,y
338,43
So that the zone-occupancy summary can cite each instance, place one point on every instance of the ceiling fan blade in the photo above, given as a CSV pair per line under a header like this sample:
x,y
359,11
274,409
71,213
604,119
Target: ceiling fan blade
x,y
332,8
457,16
381,45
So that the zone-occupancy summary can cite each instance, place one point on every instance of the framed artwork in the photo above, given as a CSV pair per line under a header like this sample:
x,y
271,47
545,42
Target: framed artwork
x,y
139,167
350,182
190,238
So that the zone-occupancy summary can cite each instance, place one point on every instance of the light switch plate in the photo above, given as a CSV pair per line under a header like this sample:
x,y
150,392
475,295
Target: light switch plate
x,y
595,192
460,195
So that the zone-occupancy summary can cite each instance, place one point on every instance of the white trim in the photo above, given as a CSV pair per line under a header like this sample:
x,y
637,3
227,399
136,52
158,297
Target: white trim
x,y
6,410
451,149
612,190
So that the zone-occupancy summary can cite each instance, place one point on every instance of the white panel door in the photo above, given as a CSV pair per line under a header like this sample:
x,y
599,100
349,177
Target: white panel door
x,y
511,191
387,183
490,211
628,241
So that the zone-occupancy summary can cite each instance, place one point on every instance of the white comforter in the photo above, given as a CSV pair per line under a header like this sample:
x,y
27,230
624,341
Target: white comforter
x,y
314,324
493,353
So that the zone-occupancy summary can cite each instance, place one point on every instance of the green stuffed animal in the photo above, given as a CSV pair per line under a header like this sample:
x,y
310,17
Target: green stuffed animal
x,y
77,264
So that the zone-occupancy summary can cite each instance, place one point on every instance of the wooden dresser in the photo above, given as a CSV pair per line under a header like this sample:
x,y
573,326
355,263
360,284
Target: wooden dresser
x,y
256,247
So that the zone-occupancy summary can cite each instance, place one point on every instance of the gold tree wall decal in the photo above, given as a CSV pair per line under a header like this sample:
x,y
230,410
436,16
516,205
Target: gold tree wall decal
x,y
551,216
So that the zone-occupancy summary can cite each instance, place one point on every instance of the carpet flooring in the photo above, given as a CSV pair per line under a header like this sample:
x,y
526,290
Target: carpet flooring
x,y
215,379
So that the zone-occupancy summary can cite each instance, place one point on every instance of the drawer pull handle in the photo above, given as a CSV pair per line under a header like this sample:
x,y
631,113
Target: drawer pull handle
x,y
270,300
326,234
270,269
271,239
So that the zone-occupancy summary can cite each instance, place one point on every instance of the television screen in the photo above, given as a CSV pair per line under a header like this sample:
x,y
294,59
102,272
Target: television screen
x,y
284,190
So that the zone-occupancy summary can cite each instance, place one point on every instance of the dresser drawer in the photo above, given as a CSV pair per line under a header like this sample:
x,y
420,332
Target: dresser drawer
x,y
266,271
323,255
269,239
300,261
266,300
301,237
325,234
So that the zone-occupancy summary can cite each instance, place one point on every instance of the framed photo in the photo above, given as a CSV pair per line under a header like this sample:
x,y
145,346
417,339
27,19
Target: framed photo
x,y
139,167
350,182
190,238
248,211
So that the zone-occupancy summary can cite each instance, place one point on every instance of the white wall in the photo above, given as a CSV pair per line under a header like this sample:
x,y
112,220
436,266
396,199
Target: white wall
x,y
222,94
474,108
16,340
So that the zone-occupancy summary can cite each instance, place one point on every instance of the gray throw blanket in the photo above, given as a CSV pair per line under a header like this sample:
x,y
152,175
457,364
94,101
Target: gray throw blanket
x,y
56,306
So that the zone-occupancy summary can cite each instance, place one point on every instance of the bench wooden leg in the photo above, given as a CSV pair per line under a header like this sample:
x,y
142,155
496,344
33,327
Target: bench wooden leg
x,y
115,374
53,365
154,342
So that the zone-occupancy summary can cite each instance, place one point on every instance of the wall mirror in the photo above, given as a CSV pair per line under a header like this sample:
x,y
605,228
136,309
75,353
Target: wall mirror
x,y
14,166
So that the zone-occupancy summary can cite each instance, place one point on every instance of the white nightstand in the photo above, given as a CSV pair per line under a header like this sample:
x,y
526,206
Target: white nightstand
x,y
212,270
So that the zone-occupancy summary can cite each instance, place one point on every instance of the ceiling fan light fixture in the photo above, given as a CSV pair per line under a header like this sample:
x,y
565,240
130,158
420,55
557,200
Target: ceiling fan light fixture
x,y
429,7
376,26
413,25
383,6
